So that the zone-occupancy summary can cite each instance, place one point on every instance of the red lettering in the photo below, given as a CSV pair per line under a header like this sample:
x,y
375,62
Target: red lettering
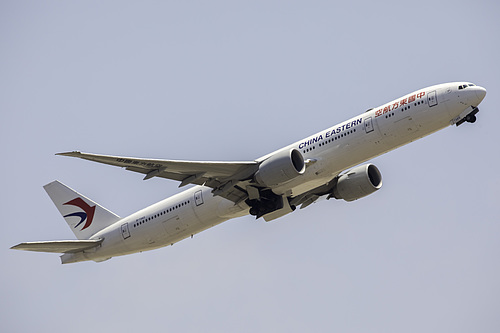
x,y
411,99
402,102
421,94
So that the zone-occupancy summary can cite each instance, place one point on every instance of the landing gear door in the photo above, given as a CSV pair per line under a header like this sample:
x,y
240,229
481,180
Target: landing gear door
x,y
368,125
432,99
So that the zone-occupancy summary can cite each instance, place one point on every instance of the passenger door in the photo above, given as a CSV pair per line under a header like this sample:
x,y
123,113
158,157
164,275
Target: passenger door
x,y
198,198
125,231
432,99
368,125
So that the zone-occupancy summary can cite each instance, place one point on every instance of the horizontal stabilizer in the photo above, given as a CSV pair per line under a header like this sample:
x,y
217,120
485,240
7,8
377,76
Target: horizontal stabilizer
x,y
63,246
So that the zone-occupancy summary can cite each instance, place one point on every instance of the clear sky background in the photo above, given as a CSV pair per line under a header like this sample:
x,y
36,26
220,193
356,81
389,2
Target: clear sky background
x,y
235,80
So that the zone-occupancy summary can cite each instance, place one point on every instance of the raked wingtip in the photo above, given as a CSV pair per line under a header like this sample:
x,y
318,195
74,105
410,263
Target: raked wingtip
x,y
70,153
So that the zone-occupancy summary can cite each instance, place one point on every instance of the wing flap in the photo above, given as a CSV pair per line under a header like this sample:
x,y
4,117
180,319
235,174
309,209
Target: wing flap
x,y
62,246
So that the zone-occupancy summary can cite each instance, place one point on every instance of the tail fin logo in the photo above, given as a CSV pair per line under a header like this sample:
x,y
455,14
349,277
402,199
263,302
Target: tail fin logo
x,y
87,214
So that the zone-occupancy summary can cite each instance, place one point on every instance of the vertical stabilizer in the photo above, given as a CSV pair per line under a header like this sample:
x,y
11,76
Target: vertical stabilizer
x,y
84,216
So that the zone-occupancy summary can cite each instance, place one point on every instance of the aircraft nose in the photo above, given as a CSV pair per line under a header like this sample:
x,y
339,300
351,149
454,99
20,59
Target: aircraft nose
x,y
480,93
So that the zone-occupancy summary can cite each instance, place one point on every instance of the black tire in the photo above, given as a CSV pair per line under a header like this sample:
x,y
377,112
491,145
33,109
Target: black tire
x,y
471,118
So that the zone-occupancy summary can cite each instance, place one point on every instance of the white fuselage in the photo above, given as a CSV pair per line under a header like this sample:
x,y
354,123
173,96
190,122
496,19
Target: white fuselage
x,y
329,152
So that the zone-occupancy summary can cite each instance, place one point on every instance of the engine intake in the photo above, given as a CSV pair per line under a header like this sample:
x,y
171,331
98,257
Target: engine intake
x,y
358,183
280,168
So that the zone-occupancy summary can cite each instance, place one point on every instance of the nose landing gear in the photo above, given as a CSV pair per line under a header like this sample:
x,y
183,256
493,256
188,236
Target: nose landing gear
x,y
470,118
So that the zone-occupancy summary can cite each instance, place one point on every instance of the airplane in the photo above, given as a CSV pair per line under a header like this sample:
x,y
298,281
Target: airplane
x,y
268,187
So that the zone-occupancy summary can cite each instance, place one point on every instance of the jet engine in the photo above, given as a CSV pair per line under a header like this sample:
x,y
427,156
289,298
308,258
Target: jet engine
x,y
357,183
280,168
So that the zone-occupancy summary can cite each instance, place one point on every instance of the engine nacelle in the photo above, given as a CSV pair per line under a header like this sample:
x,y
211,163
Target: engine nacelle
x,y
358,182
280,168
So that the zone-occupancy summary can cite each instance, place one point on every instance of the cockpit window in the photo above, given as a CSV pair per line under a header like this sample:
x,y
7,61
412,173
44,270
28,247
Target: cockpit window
x,y
463,86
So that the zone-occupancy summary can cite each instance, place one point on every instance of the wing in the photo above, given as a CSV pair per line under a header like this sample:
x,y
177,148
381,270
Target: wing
x,y
310,197
226,178
65,246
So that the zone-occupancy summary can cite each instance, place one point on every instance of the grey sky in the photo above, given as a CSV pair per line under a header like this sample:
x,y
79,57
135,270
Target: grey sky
x,y
228,80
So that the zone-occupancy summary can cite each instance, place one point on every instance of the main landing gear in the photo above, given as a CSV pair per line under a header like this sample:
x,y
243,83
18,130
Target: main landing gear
x,y
267,203
470,118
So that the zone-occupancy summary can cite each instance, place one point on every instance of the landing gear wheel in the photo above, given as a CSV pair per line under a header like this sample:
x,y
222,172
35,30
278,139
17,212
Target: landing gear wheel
x,y
471,118
254,211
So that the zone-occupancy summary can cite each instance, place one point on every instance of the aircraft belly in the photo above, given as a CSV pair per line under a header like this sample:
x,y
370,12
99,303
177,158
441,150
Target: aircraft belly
x,y
203,212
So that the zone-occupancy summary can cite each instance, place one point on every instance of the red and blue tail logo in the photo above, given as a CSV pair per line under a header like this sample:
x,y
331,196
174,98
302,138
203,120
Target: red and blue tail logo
x,y
87,214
